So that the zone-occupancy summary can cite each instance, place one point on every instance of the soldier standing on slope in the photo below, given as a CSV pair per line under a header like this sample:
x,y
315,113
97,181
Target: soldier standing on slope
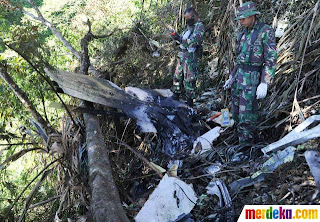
x,y
191,47
256,58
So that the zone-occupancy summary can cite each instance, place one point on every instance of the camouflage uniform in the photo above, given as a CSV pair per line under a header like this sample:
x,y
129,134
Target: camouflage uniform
x,y
187,66
255,63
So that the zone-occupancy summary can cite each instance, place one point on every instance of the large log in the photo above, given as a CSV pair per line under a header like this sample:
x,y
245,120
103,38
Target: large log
x,y
105,205
105,201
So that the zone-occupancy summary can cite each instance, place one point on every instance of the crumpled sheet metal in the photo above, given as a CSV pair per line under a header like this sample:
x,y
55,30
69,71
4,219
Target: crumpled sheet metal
x,y
313,160
218,188
213,169
276,160
169,200
266,169
297,136
203,143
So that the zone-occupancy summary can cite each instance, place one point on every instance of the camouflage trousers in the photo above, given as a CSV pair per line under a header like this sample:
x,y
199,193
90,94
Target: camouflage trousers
x,y
186,72
245,112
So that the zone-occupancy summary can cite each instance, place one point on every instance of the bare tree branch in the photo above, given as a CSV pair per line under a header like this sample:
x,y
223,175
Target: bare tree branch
x,y
105,35
54,30
44,202
16,156
57,33
24,99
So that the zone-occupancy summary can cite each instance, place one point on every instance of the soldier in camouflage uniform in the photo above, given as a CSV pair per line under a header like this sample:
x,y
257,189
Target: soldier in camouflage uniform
x,y
256,58
191,45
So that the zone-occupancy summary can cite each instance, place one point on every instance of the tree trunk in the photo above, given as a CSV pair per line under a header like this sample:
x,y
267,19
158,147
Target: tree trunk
x,y
105,201
24,99
105,204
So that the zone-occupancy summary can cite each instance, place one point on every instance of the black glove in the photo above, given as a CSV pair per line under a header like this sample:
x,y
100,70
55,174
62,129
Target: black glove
x,y
176,36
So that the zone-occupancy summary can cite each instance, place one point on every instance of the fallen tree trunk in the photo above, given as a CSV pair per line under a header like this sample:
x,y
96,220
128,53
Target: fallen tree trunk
x,y
105,204
105,201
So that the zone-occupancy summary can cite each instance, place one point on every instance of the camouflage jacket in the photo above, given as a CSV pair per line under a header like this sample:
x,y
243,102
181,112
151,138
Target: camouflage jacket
x,y
263,50
190,42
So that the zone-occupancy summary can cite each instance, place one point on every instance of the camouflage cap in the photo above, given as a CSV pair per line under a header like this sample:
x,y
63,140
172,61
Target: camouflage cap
x,y
247,9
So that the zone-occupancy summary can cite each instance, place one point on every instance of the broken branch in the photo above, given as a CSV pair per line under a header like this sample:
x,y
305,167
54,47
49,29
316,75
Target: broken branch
x,y
142,158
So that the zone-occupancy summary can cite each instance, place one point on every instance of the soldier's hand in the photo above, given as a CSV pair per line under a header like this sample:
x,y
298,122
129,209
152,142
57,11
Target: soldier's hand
x,y
262,90
228,83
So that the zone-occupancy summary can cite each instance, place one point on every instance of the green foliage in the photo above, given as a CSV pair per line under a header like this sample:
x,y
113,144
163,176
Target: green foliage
x,y
30,40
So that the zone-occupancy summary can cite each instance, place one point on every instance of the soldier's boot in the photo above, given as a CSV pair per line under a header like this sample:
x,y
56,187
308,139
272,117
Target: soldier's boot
x,y
176,96
190,102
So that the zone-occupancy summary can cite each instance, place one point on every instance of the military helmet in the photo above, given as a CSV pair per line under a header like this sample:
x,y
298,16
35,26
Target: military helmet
x,y
246,9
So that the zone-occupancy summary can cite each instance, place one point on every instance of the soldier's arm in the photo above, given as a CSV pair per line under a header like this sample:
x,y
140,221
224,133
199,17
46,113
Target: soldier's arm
x,y
234,70
198,34
270,56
